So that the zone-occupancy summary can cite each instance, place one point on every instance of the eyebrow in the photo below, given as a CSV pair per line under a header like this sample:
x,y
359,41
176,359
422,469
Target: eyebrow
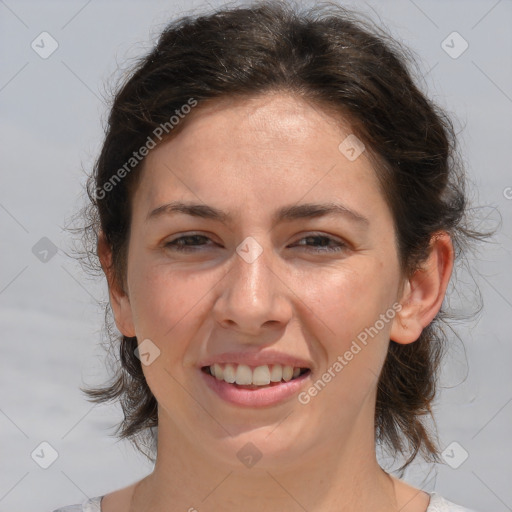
x,y
286,213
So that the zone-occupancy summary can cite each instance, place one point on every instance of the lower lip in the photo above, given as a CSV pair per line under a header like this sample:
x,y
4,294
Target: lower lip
x,y
258,397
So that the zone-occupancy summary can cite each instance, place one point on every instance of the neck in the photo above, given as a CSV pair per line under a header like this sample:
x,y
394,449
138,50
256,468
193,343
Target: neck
x,y
337,474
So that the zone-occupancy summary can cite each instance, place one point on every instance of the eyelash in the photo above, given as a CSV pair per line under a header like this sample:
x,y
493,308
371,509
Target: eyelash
x,y
174,246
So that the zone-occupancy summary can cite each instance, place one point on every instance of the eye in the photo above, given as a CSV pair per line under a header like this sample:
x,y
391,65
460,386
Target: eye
x,y
317,243
320,243
180,244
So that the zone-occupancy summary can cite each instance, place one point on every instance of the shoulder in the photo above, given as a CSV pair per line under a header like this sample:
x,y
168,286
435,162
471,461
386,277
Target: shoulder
x,y
89,505
440,504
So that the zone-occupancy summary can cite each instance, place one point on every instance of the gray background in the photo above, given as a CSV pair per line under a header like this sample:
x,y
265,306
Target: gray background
x,y
51,129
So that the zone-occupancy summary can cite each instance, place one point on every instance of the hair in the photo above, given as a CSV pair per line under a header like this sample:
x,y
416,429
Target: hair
x,y
350,67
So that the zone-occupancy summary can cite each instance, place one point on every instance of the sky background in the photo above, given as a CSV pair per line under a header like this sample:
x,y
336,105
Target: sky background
x,y
52,113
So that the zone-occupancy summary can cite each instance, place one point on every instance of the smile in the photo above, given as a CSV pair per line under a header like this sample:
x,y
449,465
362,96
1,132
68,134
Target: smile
x,y
258,386
244,375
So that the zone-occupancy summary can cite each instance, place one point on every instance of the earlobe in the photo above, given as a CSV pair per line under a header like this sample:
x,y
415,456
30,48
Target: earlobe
x,y
424,291
119,300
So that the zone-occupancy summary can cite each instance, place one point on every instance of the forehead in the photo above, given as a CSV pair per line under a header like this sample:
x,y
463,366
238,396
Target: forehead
x,y
276,117
275,147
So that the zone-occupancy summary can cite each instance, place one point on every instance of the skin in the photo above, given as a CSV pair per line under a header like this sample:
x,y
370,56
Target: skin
x,y
248,158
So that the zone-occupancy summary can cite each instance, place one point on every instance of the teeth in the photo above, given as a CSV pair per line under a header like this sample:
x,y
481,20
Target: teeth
x,y
217,371
287,373
229,373
261,376
276,375
244,375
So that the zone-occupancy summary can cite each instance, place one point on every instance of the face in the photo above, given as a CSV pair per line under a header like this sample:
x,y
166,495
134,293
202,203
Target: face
x,y
253,278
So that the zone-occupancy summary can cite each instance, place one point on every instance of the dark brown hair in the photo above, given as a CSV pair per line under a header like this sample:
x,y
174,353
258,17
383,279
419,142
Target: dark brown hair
x,y
337,61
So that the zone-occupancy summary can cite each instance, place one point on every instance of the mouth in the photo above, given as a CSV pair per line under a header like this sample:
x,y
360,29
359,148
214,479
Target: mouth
x,y
246,377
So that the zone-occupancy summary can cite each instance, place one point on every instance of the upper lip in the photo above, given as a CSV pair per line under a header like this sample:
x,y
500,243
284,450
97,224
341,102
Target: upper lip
x,y
257,359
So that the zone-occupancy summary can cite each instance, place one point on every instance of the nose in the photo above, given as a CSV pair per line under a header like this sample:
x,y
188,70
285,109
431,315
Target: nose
x,y
253,296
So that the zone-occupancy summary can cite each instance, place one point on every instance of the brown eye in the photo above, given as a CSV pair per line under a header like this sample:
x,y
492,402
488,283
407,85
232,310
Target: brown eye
x,y
183,243
322,243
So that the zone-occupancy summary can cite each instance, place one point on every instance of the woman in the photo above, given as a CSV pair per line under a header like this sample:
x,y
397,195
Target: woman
x,y
278,210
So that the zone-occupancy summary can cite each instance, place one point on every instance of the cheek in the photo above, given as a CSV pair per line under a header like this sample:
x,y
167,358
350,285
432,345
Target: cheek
x,y
168,304
350,299
349,302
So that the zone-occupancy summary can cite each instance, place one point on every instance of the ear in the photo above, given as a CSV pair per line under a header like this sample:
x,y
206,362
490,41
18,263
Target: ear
x,y
423,293
119,300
